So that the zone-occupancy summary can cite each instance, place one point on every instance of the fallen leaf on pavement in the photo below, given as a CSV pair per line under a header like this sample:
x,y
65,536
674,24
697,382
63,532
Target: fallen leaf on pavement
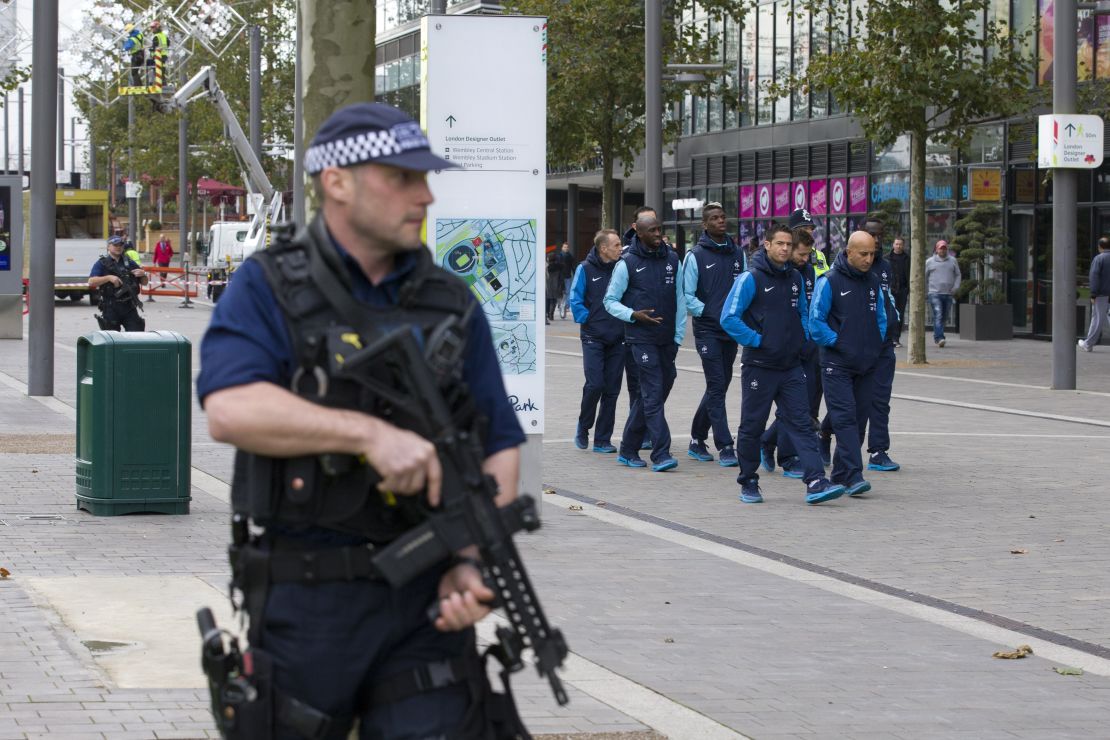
x,y
1020,652
4,572
34,470
1067,670
668,639
549,491
575,507
600,503
1019,552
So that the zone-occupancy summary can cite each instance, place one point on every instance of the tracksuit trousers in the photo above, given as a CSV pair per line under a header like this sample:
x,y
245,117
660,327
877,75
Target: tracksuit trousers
x,y
878,434
760,387
849,398
603,365
718,355
655,367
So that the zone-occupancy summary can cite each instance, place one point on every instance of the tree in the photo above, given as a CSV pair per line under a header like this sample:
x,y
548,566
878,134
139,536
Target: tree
x,y
984,253
595,92
926,68
337,56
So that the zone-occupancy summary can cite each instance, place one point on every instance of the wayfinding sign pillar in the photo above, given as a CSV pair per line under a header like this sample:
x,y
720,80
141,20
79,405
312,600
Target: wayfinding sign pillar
x,y
11,257
483,102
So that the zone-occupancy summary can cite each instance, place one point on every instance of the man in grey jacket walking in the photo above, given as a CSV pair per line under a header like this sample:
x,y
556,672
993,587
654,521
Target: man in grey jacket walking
x,y
1100,294
942,278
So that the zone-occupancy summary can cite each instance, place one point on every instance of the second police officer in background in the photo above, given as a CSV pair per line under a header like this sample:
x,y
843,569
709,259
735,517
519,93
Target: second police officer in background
x,y
343,642
707,275
116,280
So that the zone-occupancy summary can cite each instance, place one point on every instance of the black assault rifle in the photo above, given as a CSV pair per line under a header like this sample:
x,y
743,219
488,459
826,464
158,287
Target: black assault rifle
x,y
403,380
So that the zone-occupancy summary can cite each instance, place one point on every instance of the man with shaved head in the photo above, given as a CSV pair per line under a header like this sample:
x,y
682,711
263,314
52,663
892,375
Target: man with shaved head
x,y
849,319
645,292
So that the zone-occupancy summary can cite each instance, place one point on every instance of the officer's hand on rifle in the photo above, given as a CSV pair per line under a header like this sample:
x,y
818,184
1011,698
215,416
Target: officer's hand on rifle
x,y
137,272
406,462
114,280
463,597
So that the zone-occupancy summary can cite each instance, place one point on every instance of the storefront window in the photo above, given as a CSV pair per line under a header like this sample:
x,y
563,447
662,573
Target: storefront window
x,y
801,59
782,56
986,145
765,62
894,157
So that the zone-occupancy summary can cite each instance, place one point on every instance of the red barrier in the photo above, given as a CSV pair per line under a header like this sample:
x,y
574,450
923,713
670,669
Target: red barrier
x,y
175,283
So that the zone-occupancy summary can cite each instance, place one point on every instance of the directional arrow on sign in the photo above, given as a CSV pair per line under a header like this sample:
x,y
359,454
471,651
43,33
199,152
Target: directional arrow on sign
x,y
450,121
1070,128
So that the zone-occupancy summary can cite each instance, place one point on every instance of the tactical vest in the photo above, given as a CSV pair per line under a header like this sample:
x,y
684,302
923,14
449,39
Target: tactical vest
x,y
126,294
339,491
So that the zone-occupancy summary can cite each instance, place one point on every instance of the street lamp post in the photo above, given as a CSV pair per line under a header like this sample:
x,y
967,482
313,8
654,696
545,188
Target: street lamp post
x,y
653,104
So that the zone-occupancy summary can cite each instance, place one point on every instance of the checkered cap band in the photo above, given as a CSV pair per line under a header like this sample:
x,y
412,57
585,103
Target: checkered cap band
x,y
365,147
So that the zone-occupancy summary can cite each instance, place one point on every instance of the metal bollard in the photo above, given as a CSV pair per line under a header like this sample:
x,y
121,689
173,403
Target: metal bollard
x,y
185,264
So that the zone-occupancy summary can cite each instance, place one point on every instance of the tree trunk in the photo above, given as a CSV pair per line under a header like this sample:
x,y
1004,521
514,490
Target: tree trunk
x,y
918,249
338,57
606,187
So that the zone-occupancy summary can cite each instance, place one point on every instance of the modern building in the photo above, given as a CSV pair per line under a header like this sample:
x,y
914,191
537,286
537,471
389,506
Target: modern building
x,y
763,158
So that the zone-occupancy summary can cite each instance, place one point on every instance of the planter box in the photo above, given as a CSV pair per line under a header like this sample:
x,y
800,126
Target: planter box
x,y
981,323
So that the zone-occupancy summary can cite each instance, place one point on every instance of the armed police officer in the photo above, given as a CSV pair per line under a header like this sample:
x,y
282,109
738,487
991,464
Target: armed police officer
x,y
344,644
117,280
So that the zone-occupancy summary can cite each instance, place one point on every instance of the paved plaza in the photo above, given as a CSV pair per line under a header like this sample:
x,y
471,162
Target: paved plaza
x,y
689,614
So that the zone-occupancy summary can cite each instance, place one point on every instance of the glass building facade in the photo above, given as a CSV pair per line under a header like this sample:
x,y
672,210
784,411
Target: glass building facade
x,y
762,158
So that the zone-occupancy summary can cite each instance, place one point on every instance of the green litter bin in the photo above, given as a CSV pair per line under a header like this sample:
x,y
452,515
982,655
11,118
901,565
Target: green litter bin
x,y
133,422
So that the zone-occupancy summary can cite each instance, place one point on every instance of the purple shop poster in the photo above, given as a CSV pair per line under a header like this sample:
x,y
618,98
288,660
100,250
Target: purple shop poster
x,y
838,195
782,199
857,195
799,194
763,201
817,197
747,201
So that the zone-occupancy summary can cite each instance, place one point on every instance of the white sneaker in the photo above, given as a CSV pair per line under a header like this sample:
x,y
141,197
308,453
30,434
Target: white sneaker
x,y
940,342
1082,344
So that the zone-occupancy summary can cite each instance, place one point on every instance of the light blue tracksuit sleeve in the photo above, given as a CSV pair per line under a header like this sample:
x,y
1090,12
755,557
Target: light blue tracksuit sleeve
x,y
739,298
819,314
881,314
680,312
690,286
618,283
578,295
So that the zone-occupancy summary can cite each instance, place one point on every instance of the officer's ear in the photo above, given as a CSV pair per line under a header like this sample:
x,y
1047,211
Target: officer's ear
x,y
337,185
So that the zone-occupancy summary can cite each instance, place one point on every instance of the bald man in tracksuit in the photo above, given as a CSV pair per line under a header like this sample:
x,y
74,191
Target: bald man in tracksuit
x,y
602,342
848,319
765,312
645,292
707,275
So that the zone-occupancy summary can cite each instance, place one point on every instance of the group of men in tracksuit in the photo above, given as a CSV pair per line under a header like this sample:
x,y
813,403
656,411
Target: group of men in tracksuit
x,y
801,332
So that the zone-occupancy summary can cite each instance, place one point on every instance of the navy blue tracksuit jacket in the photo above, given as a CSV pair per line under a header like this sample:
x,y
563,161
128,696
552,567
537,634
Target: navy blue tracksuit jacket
x,y
644,279
708,273
848,319
766,312
602,337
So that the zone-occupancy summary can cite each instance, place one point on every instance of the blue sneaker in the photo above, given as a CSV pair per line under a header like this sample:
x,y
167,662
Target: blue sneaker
x,y
858,488
726,458
668,464
881,461
750,493
826,450
604,449
581,441
699,451
821,490
646,445
767,457
791,468
631,462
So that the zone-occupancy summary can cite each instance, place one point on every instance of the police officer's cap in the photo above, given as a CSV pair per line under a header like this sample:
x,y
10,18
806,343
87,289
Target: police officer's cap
x,y
371,132
800,217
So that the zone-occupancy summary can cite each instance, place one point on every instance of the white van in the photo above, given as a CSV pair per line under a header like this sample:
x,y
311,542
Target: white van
x,y
231,239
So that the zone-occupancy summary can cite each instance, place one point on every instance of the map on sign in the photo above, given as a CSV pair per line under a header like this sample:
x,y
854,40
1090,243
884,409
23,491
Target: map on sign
x,y
497,259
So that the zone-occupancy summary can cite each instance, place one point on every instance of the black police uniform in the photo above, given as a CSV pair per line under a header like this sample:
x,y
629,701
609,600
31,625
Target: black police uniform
x,y
119,305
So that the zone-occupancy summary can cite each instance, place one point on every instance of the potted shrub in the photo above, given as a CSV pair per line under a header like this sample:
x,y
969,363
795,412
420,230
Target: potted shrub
x,y
985,258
